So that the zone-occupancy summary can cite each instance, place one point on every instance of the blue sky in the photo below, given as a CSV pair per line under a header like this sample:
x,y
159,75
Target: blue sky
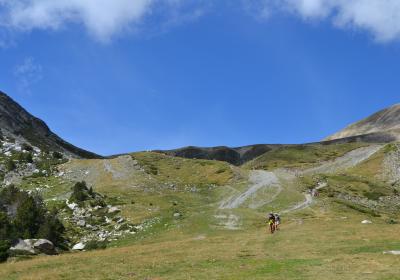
x,y
171,73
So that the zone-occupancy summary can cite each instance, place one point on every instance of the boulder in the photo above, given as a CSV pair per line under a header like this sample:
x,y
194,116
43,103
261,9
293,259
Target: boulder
x,y
72,205
81,223
30,242
392,252
20,247
366,222
79,246
45,246
113,209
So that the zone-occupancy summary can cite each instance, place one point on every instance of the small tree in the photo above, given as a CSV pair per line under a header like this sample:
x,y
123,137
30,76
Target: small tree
x,y
28,218
80,192
6,229
52,229
27,147
57,155
10,165
4,246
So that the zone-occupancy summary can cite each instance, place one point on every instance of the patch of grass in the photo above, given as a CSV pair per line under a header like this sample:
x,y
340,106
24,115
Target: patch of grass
x,y
300,156
184,171
357,207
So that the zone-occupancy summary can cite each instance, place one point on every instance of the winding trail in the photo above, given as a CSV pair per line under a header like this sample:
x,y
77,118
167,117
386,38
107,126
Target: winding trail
x,y
259,179
346,161
309,200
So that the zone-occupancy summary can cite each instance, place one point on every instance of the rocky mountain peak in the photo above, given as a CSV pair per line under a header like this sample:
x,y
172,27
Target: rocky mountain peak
x,y
17,123
386,121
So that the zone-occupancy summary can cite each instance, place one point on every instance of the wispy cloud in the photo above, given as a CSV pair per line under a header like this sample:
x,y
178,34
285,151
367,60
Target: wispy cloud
x,y
379,17
103,19
28,73
106,19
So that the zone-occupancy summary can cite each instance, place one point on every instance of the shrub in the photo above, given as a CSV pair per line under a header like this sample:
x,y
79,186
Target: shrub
x,y
6,230
29,217
27,147
80,192
4,246
10,165
51,228
57,155
25,157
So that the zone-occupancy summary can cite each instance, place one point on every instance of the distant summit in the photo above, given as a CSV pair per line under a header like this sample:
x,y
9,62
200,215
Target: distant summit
x,y
18,124
384,124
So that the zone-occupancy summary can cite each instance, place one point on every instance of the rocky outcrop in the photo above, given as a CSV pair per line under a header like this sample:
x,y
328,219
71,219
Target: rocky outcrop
x,y
32,247
20,247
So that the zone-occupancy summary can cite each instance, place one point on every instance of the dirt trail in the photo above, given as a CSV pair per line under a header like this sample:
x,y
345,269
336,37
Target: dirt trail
x,y
349,160
259,179
263,188
308,201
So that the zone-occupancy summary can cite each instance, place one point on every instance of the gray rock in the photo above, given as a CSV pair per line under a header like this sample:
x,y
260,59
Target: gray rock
x,y
45,246
366,222
392,252
81,223
79,246
177,215
20,247
113,209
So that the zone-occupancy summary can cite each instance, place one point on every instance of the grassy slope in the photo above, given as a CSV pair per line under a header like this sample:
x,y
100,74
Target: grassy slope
x,y
326,241
300,156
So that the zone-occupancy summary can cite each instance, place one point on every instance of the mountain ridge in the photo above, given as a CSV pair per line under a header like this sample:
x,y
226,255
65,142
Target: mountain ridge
x,y
383,121
17,123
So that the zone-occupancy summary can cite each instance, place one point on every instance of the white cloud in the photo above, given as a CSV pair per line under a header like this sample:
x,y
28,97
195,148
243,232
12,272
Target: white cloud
x,y
28,73
379,17
102,18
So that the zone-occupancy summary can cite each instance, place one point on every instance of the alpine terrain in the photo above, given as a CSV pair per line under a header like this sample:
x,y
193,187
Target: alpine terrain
x,y
200,213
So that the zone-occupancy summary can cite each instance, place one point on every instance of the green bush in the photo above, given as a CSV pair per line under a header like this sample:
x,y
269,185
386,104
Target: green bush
x,y
25,157
10,165
81,193
57,155
6,229
51,228
27,147
4,246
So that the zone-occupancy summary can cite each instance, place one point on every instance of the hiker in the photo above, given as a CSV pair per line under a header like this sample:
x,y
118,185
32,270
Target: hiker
x,y
271,222
277,221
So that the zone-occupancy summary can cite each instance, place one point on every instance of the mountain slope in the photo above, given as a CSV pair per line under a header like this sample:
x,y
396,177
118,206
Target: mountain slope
x,y
235,156
386,122
17,123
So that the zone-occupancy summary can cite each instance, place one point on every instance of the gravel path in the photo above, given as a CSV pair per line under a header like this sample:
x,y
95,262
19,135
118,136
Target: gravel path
x,y
349,160
258,180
